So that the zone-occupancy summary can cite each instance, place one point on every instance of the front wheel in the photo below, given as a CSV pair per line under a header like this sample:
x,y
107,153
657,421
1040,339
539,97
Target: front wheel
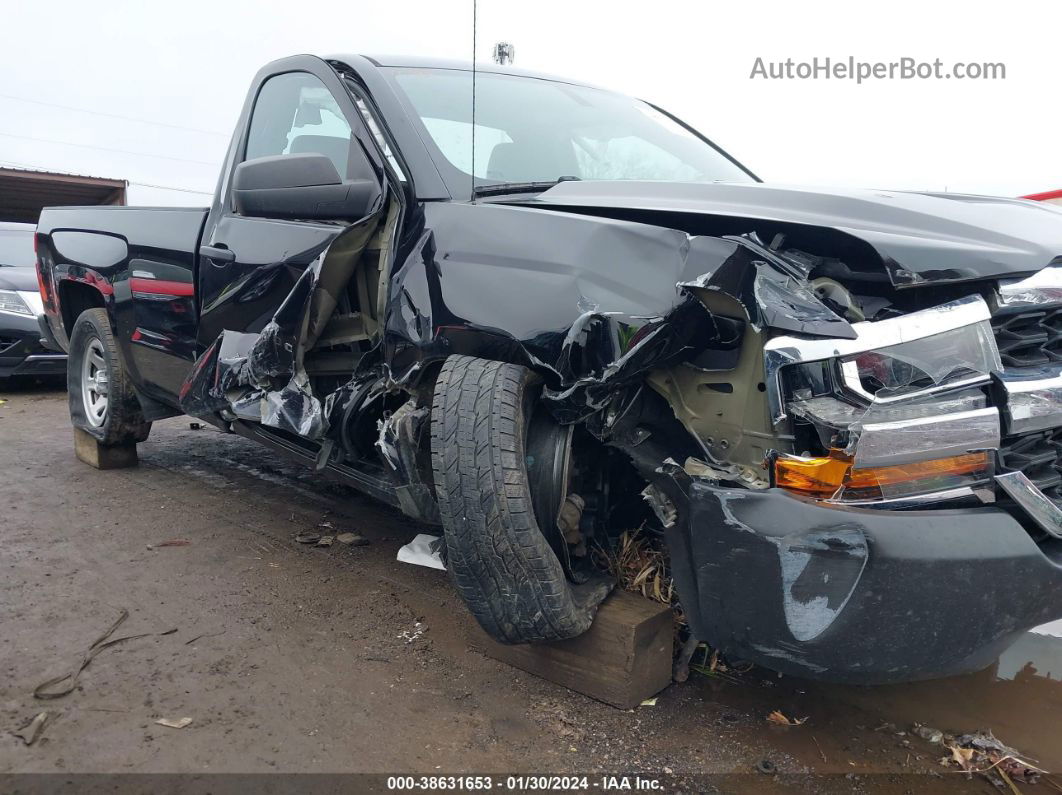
x,y
499,560
102,401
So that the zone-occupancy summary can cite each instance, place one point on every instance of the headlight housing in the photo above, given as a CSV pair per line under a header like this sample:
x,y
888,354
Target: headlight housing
x,y
13,303
899,411
960,357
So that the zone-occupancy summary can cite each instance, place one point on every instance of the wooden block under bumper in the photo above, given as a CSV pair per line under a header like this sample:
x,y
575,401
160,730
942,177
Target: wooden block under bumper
x,y
623,659
97,455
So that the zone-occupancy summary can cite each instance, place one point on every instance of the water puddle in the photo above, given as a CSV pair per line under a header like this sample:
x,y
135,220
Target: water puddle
x,y
1037,654
867,729
1019,698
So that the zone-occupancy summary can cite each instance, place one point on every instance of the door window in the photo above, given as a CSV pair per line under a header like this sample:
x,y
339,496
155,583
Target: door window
x,y
296,114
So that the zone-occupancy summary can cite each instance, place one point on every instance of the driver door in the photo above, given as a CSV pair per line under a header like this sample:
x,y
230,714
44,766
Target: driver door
x,y
248,265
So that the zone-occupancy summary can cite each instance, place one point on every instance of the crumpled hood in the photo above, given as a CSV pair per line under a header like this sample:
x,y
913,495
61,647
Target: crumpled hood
x,y
920,237
18,278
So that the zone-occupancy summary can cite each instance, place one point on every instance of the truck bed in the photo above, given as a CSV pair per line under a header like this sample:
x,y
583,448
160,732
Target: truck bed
x,y
139,263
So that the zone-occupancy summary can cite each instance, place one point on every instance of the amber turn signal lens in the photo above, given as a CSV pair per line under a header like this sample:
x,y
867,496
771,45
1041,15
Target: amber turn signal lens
x,y
823,477
815,477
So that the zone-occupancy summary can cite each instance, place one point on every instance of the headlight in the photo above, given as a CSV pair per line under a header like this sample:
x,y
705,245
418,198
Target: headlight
x,y
948,360
11,302
900,410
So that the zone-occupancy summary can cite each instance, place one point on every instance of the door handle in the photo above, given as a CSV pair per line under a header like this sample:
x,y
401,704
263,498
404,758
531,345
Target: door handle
x,y
219,254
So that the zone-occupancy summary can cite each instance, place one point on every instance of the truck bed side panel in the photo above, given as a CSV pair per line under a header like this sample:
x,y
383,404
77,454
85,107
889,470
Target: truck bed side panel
x,y
140,264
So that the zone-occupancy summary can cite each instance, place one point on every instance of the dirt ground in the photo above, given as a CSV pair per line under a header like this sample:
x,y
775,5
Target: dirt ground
x,y
290,658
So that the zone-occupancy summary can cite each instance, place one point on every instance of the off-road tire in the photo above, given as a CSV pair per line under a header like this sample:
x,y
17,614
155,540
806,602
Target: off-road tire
x,y
123,423
499,560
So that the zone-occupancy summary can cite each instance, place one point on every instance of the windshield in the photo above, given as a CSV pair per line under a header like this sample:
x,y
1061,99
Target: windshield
x,y
535,130
16,245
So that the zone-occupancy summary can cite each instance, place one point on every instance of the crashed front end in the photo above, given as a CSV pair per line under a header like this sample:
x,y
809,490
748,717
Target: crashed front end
x,y
852,462
910,524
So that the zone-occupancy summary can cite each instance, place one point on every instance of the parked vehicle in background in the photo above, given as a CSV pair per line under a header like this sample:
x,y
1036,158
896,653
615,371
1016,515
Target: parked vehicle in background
x,y
1051,197
837,412
21,350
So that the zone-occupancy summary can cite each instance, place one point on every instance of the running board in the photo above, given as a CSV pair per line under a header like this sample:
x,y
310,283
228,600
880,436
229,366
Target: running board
x,y
374,487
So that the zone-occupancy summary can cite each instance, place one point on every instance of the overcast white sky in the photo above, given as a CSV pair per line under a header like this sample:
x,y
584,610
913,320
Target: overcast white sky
x,y
188,65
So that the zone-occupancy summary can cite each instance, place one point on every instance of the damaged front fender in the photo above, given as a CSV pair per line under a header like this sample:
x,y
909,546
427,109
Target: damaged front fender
x,y
592,304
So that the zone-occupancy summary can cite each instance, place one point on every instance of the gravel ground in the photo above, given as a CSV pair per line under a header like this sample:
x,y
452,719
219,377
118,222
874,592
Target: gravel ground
x,y
298,659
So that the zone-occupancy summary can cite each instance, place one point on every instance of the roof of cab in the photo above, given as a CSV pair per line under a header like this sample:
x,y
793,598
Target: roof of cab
x,y
423,62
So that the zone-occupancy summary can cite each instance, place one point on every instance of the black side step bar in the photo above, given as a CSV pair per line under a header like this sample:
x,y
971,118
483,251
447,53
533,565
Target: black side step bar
x,y
375,487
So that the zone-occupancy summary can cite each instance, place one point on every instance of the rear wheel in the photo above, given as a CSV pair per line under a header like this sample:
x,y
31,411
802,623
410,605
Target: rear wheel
x,y
94,383
102,401
499,560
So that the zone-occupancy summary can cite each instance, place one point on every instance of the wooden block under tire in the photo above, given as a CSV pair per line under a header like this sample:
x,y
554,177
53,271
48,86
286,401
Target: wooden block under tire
x,y
623,659
100,456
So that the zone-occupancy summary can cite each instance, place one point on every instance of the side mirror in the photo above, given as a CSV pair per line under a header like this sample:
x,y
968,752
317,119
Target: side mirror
x,y
303,186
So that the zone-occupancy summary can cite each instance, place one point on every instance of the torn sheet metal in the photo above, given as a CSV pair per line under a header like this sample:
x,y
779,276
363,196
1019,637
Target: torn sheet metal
x,y
244,375
219,370
402,435
262,377
687,329
590,303
774,291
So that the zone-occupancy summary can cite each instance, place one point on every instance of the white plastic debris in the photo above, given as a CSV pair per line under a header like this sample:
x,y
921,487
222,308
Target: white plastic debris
x,y
420,552
410,636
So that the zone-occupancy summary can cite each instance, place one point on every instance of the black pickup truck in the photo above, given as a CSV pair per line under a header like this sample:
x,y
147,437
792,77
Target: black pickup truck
x,y
838,412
